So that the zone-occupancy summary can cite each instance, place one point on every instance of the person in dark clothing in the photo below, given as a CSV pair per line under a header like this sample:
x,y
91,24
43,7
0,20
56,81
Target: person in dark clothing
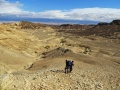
x,y
66,67
69,65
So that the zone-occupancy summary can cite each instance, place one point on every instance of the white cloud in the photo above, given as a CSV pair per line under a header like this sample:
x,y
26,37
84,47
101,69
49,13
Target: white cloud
x,y
98,14
10,8
95,13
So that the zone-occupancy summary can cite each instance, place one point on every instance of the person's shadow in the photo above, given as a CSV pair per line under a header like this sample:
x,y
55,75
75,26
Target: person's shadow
x,y
58,71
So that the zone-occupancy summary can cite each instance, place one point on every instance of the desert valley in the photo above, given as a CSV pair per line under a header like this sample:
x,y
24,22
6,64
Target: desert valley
x,y
32,56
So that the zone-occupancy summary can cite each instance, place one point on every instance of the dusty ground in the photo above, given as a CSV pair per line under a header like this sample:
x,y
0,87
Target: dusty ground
x,y
34,59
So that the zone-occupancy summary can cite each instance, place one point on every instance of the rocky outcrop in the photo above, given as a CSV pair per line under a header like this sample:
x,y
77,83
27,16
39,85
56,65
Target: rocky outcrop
x,y
115,22
30,25
58,52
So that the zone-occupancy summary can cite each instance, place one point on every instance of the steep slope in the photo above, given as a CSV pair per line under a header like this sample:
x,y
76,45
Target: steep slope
x,y
16,49
20,47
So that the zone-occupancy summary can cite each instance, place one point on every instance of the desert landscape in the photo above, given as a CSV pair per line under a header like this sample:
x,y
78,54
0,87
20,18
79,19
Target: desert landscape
x,y
32,56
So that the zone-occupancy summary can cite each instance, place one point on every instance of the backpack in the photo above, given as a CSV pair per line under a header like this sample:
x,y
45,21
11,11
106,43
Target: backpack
x,y
69,63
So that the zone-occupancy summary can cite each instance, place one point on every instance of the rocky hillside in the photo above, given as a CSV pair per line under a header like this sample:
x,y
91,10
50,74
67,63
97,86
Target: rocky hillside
x,y
71,27
111,30
63,27
32,57
30,25
17,39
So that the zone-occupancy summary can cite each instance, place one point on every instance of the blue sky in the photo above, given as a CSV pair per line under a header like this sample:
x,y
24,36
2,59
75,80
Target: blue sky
x,y
42,5
96,10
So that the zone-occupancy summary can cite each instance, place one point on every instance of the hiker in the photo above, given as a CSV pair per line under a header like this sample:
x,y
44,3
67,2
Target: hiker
x,y
69,65
66,67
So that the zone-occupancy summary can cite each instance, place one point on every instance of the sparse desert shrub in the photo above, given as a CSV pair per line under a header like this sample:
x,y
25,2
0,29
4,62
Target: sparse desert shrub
x,y
63,41
47,47
87,49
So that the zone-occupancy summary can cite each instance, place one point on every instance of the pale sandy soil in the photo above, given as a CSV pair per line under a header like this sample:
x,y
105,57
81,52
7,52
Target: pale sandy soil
x,y
35,60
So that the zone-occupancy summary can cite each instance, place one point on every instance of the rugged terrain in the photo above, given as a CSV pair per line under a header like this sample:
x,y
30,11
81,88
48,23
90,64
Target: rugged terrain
x,y
32,56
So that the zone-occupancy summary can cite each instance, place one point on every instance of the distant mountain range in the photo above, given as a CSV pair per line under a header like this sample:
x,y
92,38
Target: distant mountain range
x,y
45,20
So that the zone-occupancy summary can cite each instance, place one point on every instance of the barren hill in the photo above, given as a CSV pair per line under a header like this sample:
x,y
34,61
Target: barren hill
x,y
110,30
32,57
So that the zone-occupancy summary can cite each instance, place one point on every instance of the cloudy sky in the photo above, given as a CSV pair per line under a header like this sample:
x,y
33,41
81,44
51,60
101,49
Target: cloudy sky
x,y
96,10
